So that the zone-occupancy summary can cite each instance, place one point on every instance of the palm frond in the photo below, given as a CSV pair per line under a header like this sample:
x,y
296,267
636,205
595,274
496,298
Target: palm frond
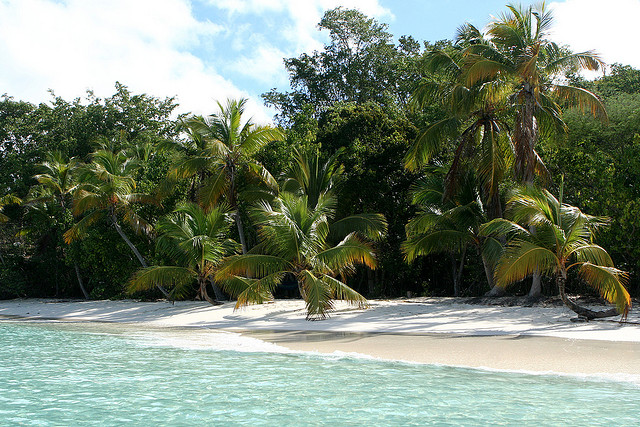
x,y
581,99
166,276
368,225
348,252
255,265
252,291
317,295
79,229
429,142
343,292
521,259
609,281
592,254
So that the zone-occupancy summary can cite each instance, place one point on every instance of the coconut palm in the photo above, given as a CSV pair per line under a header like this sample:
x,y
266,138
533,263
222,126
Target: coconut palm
x,y
475,121
197,242
107,191
309,175
225,148
449,225
563,241
295,238
517,50
56,184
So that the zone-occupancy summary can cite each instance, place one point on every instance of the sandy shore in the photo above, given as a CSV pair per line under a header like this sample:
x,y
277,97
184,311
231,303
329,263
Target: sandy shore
x,y
541,339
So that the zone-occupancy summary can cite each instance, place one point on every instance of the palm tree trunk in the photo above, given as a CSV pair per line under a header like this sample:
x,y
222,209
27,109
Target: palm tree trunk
x,y
241,231
204,294
536,286
561,280
457,272
114,220
84,291
487,271
217,291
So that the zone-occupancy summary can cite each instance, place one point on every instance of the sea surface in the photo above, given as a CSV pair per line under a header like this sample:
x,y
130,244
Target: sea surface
x,y
67,374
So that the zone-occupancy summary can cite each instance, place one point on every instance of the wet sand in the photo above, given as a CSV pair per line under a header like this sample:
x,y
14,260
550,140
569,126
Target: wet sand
x,y
503,352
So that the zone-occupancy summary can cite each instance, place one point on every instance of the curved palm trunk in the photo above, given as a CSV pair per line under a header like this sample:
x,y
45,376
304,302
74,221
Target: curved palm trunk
x,y
114,220
561,280
84,291
203,294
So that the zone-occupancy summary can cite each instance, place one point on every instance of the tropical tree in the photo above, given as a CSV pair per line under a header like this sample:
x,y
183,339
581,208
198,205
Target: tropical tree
x,y
450,225
516,49
299,237
107,191
225,148
197,242
562,241
310,176
56,185
475,121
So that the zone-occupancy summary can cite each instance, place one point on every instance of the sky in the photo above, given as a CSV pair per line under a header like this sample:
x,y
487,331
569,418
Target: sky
x,y
203,51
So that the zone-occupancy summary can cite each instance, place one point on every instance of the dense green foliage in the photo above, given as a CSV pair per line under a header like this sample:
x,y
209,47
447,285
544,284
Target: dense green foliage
x,y
431,137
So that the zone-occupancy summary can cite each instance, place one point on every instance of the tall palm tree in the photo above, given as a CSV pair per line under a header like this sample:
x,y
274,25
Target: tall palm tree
x,y
107,190
197,242
475,121
562,241
57,184
449,225
516,50
295,238
226,145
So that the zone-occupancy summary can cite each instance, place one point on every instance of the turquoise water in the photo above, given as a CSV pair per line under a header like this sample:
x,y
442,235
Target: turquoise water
x,y
71,374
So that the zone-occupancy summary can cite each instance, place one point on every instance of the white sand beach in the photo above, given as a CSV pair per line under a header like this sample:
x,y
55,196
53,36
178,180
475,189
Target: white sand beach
x,y
424,330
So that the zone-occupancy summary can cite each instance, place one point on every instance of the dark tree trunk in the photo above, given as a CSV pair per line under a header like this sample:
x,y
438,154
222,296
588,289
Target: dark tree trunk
x,y
241,231
217,291
561,280
457,272
203,294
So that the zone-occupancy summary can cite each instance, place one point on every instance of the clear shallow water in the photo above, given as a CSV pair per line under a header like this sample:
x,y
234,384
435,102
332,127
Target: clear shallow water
x,y
70,374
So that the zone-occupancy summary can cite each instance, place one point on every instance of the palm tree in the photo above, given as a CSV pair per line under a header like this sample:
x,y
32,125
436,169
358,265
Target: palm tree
x,y
299,237
225,148
562,241
516,50
197,242
309,175
295,238
56,185
475,120
107,190
449,225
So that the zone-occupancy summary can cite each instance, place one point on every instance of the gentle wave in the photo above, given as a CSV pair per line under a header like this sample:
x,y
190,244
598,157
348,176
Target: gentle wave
x,y
195,339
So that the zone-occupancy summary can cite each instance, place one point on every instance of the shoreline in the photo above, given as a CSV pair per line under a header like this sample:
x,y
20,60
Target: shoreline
x,y
518,339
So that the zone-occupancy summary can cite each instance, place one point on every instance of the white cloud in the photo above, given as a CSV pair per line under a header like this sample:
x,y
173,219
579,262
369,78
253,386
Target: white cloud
x,y
304,16
76,45
609,28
